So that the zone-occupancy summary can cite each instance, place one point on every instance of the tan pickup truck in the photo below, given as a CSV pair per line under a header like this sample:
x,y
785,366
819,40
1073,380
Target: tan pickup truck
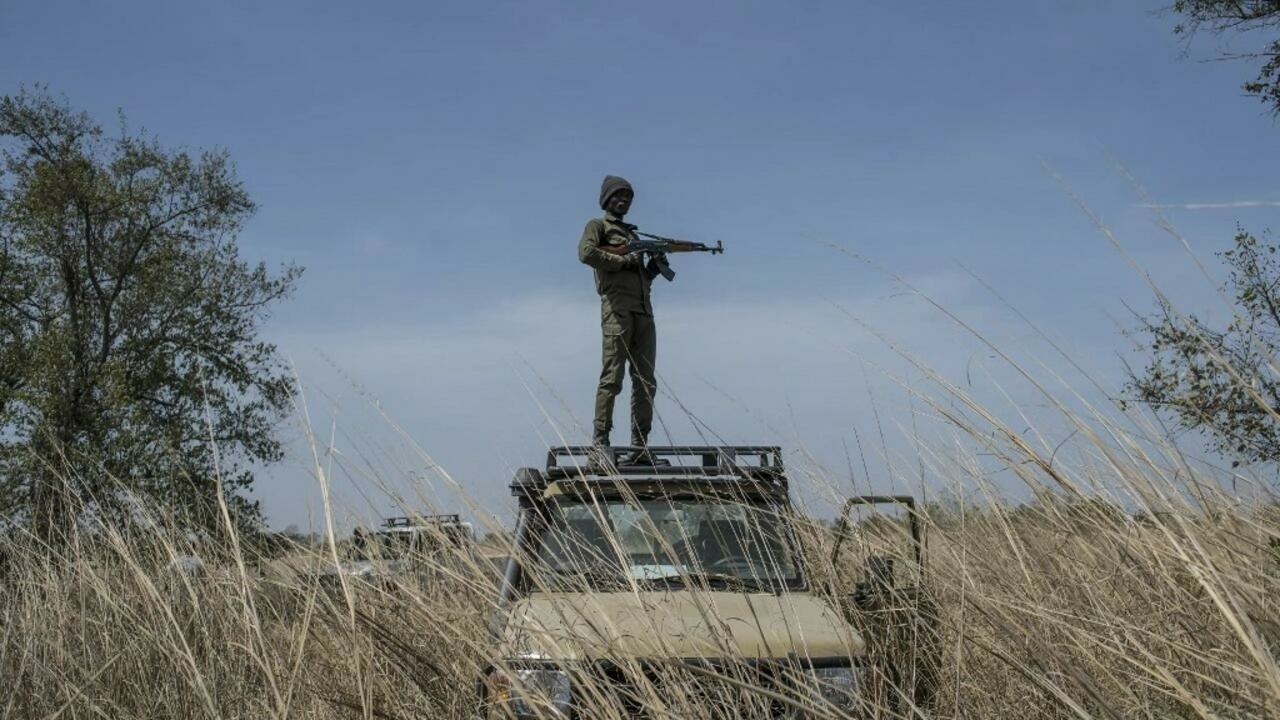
x,y
672,589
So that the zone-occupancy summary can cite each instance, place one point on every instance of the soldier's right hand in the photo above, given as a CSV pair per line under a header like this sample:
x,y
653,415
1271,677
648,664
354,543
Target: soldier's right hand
x,y
632,261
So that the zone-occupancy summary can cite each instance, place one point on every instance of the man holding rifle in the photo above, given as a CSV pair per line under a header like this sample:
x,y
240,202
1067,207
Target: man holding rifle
x,y
623,281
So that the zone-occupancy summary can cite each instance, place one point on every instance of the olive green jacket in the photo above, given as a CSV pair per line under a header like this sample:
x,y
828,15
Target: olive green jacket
x,y
620,290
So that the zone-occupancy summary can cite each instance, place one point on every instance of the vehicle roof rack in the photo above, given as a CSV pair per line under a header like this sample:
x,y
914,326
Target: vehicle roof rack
x,y
728,461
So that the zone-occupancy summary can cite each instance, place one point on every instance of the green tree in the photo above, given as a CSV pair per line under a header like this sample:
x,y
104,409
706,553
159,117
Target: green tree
x,y
131,369
1223,382
1248,20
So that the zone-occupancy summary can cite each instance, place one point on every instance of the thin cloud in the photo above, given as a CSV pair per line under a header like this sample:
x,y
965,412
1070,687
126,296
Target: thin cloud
x,y
1212,206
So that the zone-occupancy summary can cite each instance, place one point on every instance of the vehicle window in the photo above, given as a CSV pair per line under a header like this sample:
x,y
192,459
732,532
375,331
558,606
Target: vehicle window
x,y
367,545
656,540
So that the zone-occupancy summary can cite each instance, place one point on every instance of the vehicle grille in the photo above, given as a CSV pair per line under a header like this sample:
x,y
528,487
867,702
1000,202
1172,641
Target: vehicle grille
x,y
673,690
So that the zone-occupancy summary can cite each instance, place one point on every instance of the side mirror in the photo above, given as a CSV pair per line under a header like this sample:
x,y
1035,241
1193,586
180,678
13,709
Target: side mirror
x,y
878,583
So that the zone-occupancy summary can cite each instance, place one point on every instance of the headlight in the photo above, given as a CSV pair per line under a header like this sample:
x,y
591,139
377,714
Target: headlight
x,y
533,692
838,687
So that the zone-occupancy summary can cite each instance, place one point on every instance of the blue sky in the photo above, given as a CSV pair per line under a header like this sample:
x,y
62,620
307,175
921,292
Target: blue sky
x,y
432,165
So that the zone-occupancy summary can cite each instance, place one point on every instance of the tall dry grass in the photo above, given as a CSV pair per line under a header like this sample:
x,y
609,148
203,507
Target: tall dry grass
x,y
1063,608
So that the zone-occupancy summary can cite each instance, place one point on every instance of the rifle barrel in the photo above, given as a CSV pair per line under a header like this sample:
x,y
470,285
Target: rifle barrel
x,y
689,244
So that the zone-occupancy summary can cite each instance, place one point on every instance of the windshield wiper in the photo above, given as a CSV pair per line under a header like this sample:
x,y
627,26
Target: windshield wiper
x,y
593,574
731,582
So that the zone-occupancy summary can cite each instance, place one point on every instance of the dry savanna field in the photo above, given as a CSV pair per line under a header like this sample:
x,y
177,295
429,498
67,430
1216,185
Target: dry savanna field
x,y
1109,551
1065,607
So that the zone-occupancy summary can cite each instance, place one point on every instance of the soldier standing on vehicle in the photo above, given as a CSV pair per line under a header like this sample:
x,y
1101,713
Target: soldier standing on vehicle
x,y
626,316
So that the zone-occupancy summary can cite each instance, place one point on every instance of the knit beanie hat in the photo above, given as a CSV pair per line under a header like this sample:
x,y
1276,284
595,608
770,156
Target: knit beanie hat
x,y
611,185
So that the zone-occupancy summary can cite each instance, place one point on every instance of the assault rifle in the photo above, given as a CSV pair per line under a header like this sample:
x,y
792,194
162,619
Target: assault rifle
x,y
656,247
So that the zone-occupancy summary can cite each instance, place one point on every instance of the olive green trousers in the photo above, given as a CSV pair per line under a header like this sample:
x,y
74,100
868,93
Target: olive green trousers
x,y
630,341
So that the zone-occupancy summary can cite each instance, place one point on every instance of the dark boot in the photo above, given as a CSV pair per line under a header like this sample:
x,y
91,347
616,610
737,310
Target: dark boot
x,y
634,457
599,457
641,455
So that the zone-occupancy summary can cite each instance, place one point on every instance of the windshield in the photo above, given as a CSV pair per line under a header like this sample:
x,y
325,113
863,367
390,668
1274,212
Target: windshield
x,y
381,545
398,544
608,545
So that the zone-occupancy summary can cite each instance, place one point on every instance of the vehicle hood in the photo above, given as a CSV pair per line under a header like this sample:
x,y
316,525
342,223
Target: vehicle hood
x,y
572,626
